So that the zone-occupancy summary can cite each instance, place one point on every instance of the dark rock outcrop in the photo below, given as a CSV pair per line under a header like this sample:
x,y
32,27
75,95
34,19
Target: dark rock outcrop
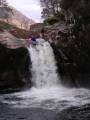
x,y
14,68
73,61
66,69
71,43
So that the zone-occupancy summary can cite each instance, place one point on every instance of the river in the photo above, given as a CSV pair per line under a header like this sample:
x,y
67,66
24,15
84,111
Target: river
x,y
48,99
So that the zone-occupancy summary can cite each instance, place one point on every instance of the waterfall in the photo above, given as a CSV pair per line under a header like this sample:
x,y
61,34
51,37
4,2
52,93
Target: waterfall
x,y
44,70
47,91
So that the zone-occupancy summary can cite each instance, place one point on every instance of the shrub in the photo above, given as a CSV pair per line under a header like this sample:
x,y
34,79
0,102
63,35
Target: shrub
x,y
51,21
54,19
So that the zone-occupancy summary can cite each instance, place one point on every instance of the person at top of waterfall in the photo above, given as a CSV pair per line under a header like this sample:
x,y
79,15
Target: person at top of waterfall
x,y
34,41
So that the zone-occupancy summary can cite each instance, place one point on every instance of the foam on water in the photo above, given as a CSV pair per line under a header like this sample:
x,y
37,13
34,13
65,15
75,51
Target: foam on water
x,y
43,65
47,91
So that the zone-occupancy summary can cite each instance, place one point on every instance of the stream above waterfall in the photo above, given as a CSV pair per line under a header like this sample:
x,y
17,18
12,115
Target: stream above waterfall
x,y
47,91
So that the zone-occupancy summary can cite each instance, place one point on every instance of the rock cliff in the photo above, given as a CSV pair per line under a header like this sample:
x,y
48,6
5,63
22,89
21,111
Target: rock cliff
x,y
15,64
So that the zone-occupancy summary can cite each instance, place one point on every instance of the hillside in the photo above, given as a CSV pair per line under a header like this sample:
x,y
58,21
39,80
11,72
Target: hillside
x,y
19,20
17,32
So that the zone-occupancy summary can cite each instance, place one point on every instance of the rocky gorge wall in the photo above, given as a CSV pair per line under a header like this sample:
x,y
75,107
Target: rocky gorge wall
x,y
71,74
14,68
71,43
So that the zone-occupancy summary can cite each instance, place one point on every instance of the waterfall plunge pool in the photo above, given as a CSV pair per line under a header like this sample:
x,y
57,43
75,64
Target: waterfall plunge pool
x,y
47,92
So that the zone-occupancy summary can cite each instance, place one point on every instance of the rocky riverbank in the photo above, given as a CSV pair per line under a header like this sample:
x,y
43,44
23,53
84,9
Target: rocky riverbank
x,y
15,63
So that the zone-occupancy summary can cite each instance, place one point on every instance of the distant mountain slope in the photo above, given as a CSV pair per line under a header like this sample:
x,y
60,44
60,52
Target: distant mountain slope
x,y
20,20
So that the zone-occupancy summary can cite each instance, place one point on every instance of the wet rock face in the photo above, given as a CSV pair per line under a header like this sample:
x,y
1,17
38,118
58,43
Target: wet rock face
x,y
14,67
70,72
66,70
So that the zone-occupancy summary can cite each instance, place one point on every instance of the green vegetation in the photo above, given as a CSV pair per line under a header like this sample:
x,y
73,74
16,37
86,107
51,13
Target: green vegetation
x,y
52,12
51,21
70,8
6,26
17,32
54,19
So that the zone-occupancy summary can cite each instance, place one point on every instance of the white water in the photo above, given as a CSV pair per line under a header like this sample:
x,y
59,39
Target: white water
x,y
43,65
47,91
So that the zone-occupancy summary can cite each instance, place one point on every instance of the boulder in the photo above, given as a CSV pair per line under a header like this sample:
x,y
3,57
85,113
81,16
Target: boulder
x,y
14,68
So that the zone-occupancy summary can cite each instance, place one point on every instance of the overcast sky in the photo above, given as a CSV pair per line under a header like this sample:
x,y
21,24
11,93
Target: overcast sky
x,y
30,8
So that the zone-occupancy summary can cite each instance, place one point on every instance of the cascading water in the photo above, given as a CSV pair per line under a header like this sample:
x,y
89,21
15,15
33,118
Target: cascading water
x,y
43,65
47,91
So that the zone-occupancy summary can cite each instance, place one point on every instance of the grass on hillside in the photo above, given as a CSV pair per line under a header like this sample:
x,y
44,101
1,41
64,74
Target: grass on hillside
x,y
17,32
